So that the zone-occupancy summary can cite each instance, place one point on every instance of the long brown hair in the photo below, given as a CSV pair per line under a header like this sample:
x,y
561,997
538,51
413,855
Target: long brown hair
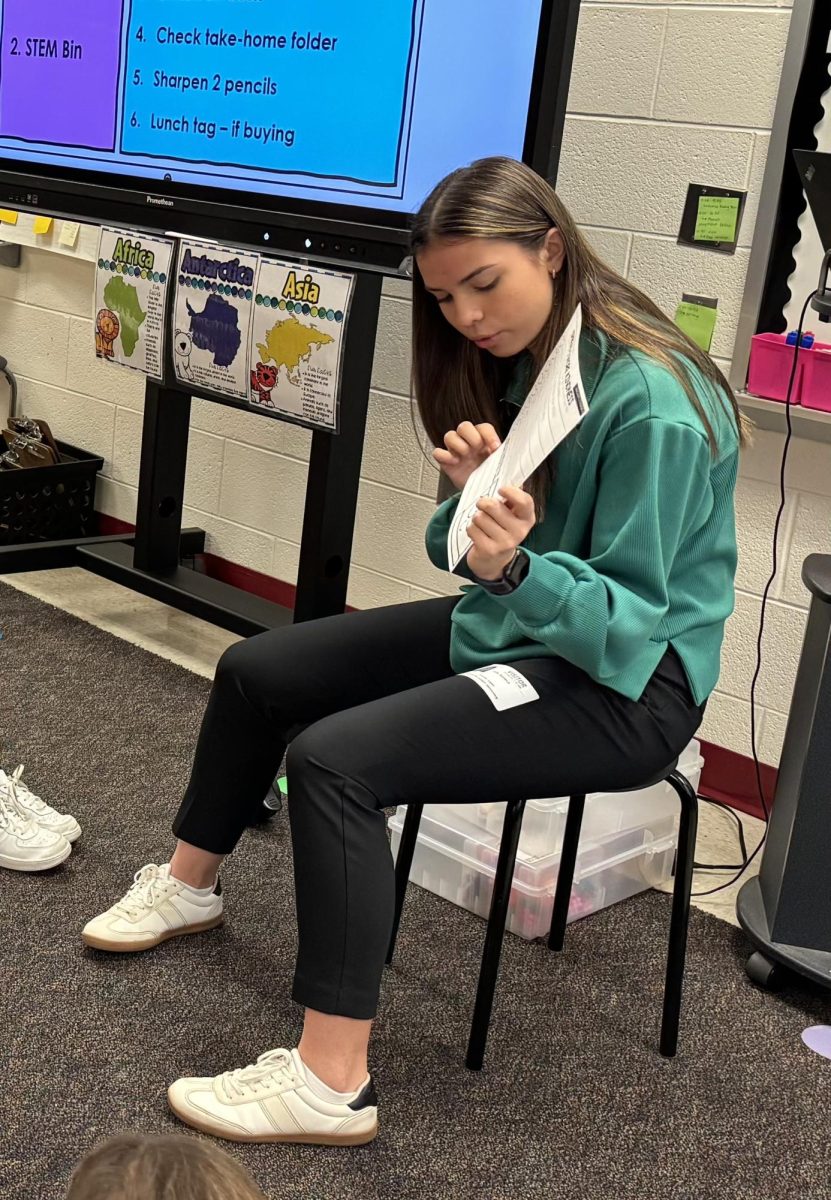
x,y
133,1167
453,381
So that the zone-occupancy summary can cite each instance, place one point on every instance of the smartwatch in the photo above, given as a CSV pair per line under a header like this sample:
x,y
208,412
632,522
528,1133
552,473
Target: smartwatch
x,y
511,577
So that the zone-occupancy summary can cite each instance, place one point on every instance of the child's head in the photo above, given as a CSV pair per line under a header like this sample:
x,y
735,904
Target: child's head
x,y
132,1167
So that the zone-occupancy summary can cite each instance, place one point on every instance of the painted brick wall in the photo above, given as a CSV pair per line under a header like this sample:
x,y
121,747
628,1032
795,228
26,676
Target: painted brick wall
x,y
662,94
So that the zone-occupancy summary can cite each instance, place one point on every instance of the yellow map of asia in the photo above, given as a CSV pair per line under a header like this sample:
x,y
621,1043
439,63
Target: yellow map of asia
x,y
289,344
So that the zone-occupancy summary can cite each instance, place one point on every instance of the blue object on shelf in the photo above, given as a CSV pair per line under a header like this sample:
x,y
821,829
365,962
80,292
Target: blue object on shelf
x,y
806,341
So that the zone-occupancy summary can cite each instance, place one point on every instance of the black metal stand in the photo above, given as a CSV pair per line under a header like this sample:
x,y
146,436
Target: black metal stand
x,y
786,912
150,561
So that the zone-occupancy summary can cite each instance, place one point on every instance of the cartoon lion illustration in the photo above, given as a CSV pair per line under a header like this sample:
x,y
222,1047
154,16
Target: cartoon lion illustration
x,y
107,328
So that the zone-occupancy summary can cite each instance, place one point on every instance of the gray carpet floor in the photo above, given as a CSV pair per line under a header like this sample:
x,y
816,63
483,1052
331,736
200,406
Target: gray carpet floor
x,y
574,1102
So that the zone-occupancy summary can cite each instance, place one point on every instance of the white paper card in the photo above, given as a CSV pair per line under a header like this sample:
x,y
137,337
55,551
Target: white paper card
x,y
298,341
213,311
554,406
504,686
131,282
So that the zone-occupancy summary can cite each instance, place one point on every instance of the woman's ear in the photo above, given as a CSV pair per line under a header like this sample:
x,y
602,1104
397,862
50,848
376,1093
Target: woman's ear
x,y
554,251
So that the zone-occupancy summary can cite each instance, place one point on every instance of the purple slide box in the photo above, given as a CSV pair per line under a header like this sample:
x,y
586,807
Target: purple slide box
x,y
59,66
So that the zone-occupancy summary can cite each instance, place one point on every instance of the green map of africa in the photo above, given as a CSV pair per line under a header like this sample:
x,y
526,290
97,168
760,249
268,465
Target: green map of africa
x,y
122,298
288,344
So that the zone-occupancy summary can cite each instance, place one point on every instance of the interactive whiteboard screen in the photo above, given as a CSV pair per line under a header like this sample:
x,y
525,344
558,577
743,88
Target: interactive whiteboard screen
x,y
357,103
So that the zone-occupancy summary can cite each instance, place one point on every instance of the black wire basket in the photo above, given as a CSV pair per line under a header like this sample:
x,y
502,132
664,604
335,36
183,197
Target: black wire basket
x,y
49,504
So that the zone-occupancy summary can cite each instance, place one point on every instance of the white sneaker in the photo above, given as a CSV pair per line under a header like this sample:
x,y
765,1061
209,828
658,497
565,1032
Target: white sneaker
x,y
25,845
273,1101
156,907
39,811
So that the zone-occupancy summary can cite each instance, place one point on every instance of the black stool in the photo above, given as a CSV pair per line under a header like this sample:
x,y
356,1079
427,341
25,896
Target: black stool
x,y
679,920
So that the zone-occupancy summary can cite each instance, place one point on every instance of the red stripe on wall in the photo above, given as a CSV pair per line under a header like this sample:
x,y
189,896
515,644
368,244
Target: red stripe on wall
x,y
247,580
109,525
727,776
731,778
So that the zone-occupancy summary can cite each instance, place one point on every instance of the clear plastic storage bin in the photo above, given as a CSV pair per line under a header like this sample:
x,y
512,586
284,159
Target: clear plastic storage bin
x,y
627,845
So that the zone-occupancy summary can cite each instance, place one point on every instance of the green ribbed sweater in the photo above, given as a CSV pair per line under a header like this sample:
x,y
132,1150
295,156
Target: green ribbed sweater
x,y
637,549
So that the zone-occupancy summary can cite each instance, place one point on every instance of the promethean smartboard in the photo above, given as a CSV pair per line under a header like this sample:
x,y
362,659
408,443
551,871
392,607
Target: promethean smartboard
x,y
285,122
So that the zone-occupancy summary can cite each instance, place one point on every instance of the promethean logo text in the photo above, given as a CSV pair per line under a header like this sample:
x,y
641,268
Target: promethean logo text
x,y
159,201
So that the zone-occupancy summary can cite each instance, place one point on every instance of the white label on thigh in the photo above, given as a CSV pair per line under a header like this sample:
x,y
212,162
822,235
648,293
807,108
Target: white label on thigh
x,y
504,685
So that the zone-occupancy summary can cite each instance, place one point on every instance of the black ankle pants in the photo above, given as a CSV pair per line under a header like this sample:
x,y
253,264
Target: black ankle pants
x,y
374,716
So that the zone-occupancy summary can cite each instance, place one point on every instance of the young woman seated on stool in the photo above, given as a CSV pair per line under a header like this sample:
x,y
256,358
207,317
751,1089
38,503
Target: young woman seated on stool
x,y
606,582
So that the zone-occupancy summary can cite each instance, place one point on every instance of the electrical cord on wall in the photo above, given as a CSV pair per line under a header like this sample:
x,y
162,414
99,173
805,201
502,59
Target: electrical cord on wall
x,y
748,859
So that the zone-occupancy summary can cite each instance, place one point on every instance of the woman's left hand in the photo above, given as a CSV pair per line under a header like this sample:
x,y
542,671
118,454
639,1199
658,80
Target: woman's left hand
x,y
497,529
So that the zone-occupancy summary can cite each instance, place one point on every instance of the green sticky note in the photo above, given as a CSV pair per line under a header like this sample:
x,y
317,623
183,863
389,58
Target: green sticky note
x,y
717,219
698,322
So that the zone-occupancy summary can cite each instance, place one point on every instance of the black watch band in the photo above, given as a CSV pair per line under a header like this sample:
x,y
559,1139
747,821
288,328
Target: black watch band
x,y
511,577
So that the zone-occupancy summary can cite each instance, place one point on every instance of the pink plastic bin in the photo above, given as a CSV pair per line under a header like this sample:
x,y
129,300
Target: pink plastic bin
x,y
771,360
816,377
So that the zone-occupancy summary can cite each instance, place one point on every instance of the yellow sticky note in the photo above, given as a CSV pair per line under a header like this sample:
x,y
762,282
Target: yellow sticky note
x,y
69,233
8,216
42,224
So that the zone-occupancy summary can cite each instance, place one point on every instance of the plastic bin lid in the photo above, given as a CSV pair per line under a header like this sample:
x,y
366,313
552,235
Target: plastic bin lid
x,y
582,871
446,835
689,761
443,829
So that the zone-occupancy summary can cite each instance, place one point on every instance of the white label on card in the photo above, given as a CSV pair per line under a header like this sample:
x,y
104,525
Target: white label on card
x,y
504,685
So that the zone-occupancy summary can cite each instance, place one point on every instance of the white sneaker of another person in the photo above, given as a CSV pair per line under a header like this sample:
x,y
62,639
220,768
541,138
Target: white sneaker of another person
x,y
24,844
39,811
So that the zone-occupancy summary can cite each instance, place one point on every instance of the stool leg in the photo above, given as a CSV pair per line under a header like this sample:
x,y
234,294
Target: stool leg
x,y
680,919
403,863
565,876
494,935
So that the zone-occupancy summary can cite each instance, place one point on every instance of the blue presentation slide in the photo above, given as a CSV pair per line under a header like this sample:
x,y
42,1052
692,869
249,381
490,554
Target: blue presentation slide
x,y
244,86
359,102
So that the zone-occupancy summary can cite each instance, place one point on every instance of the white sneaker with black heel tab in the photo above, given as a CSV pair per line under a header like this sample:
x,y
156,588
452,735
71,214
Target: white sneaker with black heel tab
x,y
274,1101
38,810
157,907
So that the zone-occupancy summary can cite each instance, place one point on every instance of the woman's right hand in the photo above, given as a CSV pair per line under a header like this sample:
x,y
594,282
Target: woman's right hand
x,y
467,447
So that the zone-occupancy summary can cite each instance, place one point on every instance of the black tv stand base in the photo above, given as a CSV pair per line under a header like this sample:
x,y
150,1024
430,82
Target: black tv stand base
x,y
771,961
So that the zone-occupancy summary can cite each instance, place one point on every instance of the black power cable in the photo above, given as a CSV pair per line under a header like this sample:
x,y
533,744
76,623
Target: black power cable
x,y
748,859
731,812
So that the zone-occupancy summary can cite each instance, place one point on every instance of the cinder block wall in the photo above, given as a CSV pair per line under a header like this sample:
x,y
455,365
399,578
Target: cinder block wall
x,y
662,94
